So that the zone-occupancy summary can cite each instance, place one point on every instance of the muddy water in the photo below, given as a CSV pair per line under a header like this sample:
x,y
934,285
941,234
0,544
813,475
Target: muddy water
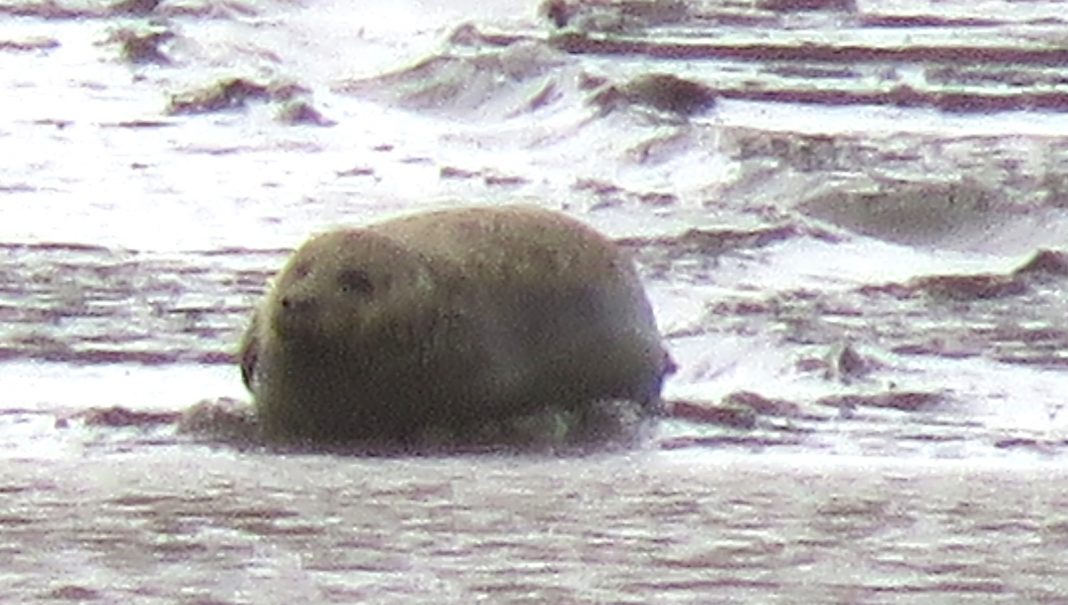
x,y
683,528
850,218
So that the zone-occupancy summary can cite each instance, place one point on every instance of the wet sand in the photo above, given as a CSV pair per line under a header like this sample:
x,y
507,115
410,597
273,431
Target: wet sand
x,y
192,526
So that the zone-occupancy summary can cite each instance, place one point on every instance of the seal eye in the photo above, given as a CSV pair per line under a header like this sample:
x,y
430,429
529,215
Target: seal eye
x,y
302,270
355,281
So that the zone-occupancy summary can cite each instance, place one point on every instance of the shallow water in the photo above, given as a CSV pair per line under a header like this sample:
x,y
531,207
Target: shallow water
x,y
837,221
677,528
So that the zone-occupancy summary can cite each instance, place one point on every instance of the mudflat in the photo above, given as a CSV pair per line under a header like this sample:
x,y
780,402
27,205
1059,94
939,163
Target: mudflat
x,y
850,218
176,525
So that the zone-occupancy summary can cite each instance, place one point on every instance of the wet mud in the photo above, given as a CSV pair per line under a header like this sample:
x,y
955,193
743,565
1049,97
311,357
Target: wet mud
x,y
619,529
851,219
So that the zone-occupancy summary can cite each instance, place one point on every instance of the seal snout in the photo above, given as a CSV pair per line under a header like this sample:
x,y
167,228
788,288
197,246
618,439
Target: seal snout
x,y
296,315
295,304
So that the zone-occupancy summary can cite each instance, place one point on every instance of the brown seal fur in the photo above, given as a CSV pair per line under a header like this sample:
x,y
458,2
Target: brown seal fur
x,y
449,319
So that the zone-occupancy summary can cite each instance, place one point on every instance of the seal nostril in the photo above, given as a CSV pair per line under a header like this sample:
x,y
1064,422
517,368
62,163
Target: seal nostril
x,y
296,305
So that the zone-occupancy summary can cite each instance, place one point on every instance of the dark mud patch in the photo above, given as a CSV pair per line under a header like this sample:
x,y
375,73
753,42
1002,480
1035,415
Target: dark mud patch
x,y
848,91
844,363
663,146
991,76
231,93
960,288
905,401
140,47
240,251
223,420
613,15
806,153
738,410
762,405
924,21
43,349
495,179
356,171
813,72
636,17
696,252
793,6
302,112
137,8
704,242
610,195
52,10
988,182
48,9
452,172
749,442
514,79
1031,445
662,92
138,124
73,592
1044,265
941,347
914,213
489,176
17,188
118,416
811,52
29,45
15,247
1044,346
732,416
970,287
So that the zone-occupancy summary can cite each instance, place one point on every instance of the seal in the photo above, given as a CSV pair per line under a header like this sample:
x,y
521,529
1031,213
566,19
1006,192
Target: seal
x,y
449,319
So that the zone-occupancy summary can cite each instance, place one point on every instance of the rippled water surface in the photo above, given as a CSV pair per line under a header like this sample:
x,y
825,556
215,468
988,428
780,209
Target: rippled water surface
x,y
673,528
850,217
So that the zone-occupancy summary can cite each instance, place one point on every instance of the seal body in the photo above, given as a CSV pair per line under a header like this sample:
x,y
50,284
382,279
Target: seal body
x,y
449,319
